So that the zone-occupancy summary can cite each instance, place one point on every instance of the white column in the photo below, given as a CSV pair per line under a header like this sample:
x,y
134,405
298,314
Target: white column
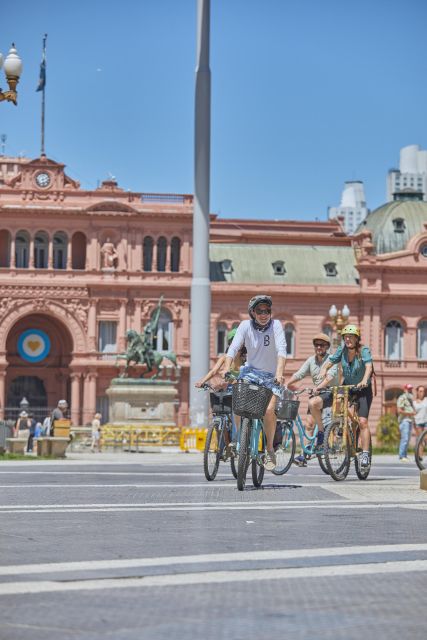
x,y
200,285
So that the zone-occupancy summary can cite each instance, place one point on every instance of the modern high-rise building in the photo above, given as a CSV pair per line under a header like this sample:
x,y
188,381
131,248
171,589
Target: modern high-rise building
x,y
352,209
409,182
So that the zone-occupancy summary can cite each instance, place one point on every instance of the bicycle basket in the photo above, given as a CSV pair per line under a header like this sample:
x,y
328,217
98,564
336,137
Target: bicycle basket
x,y
221,402
250,400
286,409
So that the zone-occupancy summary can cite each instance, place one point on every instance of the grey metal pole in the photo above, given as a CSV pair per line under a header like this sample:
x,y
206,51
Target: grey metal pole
x,y
200,284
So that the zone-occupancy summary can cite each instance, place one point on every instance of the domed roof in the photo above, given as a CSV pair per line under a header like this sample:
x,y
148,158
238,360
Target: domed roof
x,y
394,224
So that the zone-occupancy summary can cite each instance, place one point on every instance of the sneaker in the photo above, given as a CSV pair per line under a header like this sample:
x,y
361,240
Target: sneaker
x,y
300,461
320,438
270,461
232,449
404,459
364,459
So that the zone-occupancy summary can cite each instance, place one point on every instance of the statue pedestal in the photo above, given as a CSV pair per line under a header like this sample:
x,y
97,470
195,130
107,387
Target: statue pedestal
x,y
141,401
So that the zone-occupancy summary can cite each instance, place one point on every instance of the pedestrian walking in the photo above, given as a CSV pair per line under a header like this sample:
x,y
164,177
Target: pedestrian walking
x,y
96,433
32,432
22,426
405,413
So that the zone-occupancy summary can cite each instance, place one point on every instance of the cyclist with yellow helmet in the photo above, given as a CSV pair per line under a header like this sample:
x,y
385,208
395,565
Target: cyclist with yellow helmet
x,y
357,368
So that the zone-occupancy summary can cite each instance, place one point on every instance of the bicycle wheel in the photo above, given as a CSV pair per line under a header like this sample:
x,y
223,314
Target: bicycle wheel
x,y
257,468
420,451
285,451
233,437
322,464
244,454
337,454
213,449
362,472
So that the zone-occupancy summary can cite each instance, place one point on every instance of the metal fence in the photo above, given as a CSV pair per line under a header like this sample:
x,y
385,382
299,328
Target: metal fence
x,y
38,413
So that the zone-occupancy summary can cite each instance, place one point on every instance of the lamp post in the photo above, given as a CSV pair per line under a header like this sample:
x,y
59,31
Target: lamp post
x,y
339,319
24,405
13,69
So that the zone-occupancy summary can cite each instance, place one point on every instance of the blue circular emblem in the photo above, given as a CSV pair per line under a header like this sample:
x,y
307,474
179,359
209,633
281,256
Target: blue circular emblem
x,y
33,345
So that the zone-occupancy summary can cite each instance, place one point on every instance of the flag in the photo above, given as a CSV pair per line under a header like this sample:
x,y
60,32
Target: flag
x,y
42,77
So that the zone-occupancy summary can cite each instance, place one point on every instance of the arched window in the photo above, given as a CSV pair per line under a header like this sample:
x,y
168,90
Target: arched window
x,y
290,339
393,348
60,250
175,253
4,248
163,341
41,250
422,340
148,253
22,250
78,250
221,339
161,254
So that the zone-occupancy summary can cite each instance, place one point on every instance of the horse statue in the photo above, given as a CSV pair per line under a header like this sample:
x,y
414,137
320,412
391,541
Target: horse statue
x,y
140,347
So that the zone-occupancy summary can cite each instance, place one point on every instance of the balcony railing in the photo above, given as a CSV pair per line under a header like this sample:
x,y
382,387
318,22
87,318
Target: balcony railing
x,y
175,198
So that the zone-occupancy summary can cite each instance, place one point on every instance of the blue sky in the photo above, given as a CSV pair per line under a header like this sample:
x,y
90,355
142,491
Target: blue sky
x,y
305,95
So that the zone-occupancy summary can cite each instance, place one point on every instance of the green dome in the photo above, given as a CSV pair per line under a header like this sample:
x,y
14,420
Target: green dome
x,y
394,224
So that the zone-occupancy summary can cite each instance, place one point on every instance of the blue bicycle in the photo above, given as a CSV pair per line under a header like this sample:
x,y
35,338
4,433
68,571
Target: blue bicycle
x,y
287,412
250,401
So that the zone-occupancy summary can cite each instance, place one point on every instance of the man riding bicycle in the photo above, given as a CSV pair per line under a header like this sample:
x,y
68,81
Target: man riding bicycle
x,y
323,400
357,367
265,344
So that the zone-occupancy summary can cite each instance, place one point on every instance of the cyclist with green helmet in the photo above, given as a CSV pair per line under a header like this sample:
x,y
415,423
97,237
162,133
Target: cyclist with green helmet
x,y
214,376
357,368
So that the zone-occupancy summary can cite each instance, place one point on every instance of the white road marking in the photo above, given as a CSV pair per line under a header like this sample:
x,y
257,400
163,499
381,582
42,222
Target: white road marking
x,y
184,474
235,506
230,482
120,505
237,556
216,577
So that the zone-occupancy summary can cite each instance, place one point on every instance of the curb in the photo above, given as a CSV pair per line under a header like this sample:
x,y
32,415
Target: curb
x,y
423,480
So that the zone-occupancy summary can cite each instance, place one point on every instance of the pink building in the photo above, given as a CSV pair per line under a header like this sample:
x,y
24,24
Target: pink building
x,y
78,268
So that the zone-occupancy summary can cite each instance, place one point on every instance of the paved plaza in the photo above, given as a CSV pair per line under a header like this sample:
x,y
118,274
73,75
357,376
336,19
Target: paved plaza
x,y
137,546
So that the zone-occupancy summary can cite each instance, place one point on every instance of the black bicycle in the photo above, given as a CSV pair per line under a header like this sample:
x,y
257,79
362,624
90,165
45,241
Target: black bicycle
x,y
221,434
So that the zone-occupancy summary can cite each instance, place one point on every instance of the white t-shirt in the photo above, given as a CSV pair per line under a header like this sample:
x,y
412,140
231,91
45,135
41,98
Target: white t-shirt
x,y
263,347
420,407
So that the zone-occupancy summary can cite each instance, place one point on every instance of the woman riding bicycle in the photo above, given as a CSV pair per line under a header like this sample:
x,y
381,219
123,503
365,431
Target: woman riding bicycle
x,y
214,377
265,343
357,367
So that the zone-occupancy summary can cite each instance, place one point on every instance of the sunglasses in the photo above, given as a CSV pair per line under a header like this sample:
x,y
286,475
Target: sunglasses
x,y
322,345
263,312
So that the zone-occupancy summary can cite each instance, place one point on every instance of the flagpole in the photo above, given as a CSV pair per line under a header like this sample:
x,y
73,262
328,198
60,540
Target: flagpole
x,y
42,87
42,153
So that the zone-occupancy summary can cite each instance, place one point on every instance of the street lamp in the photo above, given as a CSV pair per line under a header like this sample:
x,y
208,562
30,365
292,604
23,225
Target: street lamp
x,y
13,70
339,319
24,405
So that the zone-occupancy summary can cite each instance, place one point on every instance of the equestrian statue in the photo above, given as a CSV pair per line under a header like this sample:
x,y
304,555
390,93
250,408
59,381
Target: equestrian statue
x,y
140,347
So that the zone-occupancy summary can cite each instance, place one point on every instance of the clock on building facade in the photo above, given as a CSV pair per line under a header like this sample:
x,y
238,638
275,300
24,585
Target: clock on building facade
x,y
42,179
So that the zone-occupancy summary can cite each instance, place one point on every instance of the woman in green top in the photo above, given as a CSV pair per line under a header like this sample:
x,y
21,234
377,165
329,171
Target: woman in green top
x,y
357,367
214,376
